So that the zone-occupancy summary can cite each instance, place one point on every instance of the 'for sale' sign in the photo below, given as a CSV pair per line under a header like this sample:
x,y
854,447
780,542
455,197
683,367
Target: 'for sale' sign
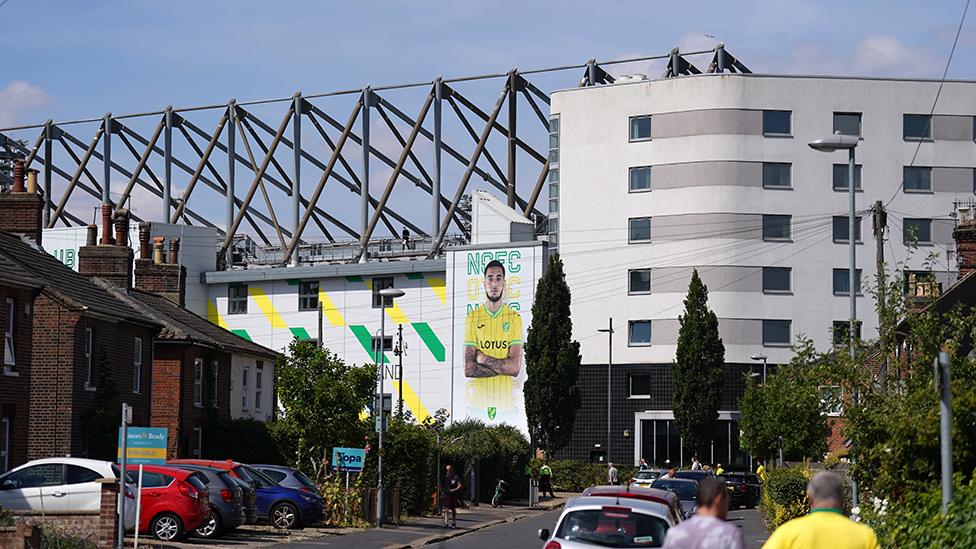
x,y
348,459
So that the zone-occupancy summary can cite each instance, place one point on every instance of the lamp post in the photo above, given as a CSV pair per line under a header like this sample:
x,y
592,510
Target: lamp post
x,y
837,142
763,358
386,294
609,331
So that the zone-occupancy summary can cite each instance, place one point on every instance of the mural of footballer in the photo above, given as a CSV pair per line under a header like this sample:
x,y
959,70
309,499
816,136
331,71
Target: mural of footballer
x,y
493,349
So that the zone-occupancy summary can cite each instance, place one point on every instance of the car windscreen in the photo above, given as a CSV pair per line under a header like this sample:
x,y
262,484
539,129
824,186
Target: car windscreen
x,y
243,474
693,475
260,478
684,490
647,475
303,478
196,479
613,527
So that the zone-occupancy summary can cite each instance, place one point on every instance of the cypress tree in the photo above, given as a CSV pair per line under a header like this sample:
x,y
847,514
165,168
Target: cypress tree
x,y
552,361
698,370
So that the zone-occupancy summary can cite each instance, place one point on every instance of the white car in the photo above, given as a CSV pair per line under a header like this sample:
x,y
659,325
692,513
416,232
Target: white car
x,y
61,484
595,521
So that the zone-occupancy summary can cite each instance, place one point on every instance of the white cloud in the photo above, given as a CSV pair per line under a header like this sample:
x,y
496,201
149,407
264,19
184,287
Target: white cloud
x,y
19,98
880,54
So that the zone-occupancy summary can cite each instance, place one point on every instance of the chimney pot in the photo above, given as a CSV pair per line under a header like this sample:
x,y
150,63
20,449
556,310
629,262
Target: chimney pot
x,y
18,176
92,236
32,181
174,251
122,227
158,250
106,224
145,248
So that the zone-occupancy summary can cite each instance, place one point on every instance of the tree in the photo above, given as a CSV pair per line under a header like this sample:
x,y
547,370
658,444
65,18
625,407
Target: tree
x,y
552,361
321,397
698,374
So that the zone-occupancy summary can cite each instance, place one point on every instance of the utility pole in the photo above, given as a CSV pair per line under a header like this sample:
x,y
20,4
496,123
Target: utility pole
x,y
609,331
943,385
399,353
880,223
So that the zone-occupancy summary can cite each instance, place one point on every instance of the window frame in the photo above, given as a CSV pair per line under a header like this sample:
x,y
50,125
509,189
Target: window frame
x,y
630,290
766,133
630,128
198,383
858,177
860,123
904,128
137,350
554,133
258,382
789,171
859,285
630,332
236,304
858,230
905,235
789,274
789,333
630,387
89,350
378,283
196,448
630,179
842,325
4,444
630,229
9,366
214,370
305,298
789,228
245,373
916,169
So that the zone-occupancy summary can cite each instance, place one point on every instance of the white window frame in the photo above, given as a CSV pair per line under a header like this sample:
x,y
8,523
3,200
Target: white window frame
x,y
631,291
89,348
630,388
9,351
258,382
630,328
198,382
245,373
4,444
137,365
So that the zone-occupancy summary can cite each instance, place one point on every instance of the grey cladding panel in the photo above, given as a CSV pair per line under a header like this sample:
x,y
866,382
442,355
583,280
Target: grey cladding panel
x,y
713,225
733,331
707,122
952,180
702,174
941,233
952,128
724,278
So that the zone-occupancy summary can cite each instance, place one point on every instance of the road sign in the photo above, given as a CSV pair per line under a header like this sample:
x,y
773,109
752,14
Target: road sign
x,y
144,445
349,459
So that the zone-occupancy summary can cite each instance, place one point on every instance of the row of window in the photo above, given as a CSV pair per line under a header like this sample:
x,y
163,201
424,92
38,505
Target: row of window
x,y
137,360
553,181
778,123
775,280
775,332
198,377
308,295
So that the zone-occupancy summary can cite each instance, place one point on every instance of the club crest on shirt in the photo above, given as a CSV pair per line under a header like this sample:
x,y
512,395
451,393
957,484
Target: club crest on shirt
x,y
492,412
506,326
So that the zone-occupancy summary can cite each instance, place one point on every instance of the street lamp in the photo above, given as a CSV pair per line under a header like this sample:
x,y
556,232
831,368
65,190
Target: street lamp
x,y
763,358
386,295
838,142
609,331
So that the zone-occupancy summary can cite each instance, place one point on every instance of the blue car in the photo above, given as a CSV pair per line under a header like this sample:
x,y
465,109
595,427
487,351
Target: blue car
x,y
288,476
283,507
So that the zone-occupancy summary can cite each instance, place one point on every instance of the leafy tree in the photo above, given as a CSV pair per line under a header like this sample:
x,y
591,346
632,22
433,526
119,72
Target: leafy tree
x,y
698,374
102,420
552,361
321,397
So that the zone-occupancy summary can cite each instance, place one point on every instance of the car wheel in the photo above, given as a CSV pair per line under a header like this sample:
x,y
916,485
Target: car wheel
x,y
167,527
213,528
284,516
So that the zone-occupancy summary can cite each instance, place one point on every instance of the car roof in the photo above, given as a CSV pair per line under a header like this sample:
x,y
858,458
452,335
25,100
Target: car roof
x,y
216,464
630,492
678,480
174,471
273,467
84,462
598,502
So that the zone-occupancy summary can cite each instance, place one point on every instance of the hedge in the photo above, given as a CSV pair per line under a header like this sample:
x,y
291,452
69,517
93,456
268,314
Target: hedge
x,y
784,496
575,476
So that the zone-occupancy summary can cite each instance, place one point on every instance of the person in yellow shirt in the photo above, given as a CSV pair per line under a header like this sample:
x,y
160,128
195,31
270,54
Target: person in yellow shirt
x,y
761,471
826,527
719,470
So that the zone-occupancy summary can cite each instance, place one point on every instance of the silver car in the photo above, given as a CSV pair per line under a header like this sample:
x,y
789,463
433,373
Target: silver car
x,y
609,522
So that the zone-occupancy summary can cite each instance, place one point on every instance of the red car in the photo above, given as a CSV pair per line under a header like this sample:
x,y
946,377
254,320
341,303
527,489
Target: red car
x,y
174,502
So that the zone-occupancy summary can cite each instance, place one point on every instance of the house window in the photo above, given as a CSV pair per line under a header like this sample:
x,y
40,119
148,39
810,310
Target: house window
x,y
776,227
245,374
137,365
917,179
308,295
776,280
4,444
198,382
237,299
842,281
640,128
917,127
639,333
89,381
640,179
9,358
776,175
258,384
381,283
847,123
196,445
640,386
776,333
214,367
777,123
830,400
841,178
639,281
639,229
842,229
840,330
922,284
917,230
553,139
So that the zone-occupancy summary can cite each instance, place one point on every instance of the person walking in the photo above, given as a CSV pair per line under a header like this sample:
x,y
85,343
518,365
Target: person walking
x,y
707,528
761,471
545,480
404,240
695,464
613,476
826,526
643,464
718,469
452,492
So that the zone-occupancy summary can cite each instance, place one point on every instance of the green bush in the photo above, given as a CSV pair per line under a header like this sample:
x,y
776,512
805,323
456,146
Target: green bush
x,y
409,460
55,538
918,522
784,496
496,452
224,441
575,476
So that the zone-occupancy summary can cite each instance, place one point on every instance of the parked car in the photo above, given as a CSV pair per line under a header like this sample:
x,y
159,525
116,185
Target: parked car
x,y
226,501
744,489
287,476
686,490
283,507
174,501
61,484
646,477
698,475
595,521
638,492
250,499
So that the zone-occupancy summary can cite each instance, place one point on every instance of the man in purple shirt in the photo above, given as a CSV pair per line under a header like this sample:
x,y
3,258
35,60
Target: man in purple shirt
x,y
707,529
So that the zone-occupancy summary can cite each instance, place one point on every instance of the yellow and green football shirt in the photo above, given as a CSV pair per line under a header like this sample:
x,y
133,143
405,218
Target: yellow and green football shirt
x,y
493,334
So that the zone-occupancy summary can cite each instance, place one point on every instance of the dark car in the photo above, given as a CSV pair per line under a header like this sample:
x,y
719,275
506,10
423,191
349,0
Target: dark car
x,y
287,476
226,502
250,500
685,489
744,489
698,475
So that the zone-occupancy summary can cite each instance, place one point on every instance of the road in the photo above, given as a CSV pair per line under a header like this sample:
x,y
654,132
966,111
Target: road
x,y
522,533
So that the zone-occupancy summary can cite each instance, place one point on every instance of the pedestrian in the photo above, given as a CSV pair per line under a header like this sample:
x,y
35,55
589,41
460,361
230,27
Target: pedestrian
x,y
718,469
671,473
825,526
643,464
452,492
695,464
761,471
404,239
707,528
613,476
545,480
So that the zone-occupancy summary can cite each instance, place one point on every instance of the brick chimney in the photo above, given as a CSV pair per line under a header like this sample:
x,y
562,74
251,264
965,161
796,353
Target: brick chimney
x,y
155,272
20,209
112,259
965,236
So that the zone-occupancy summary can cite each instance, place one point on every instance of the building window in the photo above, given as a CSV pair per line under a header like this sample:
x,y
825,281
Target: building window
x,y
640,128
89,377
917,179
776,280
9,358
258,385
308,295
917,127
842,228
840,330
381,283
842,281
4,444
237,299
830,400
196,445
639,281
198,382
640,179
776,333
639,229
639,333
246,373
776,175
137,365
847,123
554,190
917,230
387,346
777,123
640,386
922,284
841,178
214,368
553,139
776,227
